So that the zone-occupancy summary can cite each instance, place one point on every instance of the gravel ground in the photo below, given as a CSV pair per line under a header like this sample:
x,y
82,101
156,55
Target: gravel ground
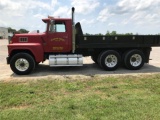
x,y
89,69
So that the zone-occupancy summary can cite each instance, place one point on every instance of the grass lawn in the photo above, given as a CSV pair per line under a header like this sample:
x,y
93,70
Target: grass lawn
x,y
96,98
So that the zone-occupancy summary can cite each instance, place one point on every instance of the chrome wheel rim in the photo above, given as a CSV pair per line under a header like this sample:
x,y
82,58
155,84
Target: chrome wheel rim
x,y
21,64
136,60
111,61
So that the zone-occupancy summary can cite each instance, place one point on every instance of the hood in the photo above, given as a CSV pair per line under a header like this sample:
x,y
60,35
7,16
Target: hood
x,y
29,34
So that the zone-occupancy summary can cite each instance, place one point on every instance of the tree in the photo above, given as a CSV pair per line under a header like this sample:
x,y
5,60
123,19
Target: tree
x,y
108,33
10,30
129,34
23,31
113,33
99,34
87,34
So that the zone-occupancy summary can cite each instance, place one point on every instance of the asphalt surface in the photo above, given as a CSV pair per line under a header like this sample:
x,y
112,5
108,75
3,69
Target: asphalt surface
x,y
89,68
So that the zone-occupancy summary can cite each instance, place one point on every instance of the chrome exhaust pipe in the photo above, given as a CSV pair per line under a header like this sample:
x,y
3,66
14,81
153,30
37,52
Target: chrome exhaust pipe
x,y
73,32
73,9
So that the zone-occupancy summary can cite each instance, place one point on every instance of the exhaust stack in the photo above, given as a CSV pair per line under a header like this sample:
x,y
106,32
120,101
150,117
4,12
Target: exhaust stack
x,y
73,31
73,9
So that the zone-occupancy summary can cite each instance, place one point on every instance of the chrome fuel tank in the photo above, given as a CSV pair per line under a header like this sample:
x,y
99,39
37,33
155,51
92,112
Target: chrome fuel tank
x,y
66,60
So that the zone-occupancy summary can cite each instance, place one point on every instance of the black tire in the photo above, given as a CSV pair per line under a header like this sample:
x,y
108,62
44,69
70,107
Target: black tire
x,y
94,58
109,60
37,63
22,63
134,59
123,57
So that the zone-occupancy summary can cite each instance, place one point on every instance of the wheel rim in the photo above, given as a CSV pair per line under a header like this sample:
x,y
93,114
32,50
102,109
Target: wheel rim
x,y
22,64
136,60
111,61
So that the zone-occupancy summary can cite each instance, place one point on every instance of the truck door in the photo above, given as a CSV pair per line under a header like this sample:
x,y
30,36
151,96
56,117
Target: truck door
x,y
58,38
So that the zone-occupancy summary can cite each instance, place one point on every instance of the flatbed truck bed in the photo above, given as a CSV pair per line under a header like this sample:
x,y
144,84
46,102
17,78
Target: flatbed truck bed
x,y
115,41
118,41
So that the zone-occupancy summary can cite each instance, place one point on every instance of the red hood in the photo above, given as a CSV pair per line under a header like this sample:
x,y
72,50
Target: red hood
x,y
30,34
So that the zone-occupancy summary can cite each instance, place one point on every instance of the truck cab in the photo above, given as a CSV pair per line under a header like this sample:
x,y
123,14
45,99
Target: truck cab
x,y
58,37
57,44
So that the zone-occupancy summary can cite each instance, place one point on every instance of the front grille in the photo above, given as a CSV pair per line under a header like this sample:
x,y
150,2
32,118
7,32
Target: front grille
x,y
23,39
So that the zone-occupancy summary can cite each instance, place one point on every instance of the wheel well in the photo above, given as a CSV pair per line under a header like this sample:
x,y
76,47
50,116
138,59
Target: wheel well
x,y
99,51
20,51
122,51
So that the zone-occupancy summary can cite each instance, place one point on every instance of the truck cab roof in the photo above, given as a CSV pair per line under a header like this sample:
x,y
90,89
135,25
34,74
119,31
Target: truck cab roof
x,y
56,19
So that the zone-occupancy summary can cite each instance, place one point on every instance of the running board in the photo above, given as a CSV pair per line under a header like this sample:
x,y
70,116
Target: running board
x,y
65,60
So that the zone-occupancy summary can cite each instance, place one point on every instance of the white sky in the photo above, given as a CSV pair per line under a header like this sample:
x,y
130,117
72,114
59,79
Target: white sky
x,y
96,16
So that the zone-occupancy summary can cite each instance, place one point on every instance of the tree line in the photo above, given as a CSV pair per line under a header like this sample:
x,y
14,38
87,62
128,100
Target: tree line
x,y
109,33
11,30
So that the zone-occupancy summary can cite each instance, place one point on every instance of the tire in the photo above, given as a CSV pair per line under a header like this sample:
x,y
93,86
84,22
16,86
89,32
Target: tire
x,y
109,60
94,58
22,63
123,57
134,60
37,63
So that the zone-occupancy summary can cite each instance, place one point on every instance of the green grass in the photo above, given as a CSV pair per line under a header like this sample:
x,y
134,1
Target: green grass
x,y
97,98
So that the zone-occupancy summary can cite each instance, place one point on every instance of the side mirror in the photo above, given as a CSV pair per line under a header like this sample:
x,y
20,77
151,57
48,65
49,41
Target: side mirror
x,y
52,22
52,29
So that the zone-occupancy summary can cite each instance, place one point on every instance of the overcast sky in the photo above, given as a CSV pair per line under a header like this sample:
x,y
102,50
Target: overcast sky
x,y
96,16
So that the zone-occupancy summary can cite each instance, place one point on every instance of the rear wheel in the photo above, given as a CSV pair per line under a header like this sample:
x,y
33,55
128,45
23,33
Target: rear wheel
x,y
22,63
134,59
109,60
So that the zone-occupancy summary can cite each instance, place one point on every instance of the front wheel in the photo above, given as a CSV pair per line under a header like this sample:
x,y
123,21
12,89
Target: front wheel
x,y
22,63
109,60
134,59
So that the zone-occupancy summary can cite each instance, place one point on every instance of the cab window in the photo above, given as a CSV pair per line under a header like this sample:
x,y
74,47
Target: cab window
x,y
58,27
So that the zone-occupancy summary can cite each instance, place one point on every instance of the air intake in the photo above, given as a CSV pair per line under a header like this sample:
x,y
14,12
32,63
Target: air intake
x,y
23,39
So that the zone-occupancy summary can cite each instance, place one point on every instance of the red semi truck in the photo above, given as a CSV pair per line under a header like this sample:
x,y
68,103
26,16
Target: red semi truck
x,y
64,44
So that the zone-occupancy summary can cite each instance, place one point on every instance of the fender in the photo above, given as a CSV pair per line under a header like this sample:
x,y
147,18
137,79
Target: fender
x,y
35,48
